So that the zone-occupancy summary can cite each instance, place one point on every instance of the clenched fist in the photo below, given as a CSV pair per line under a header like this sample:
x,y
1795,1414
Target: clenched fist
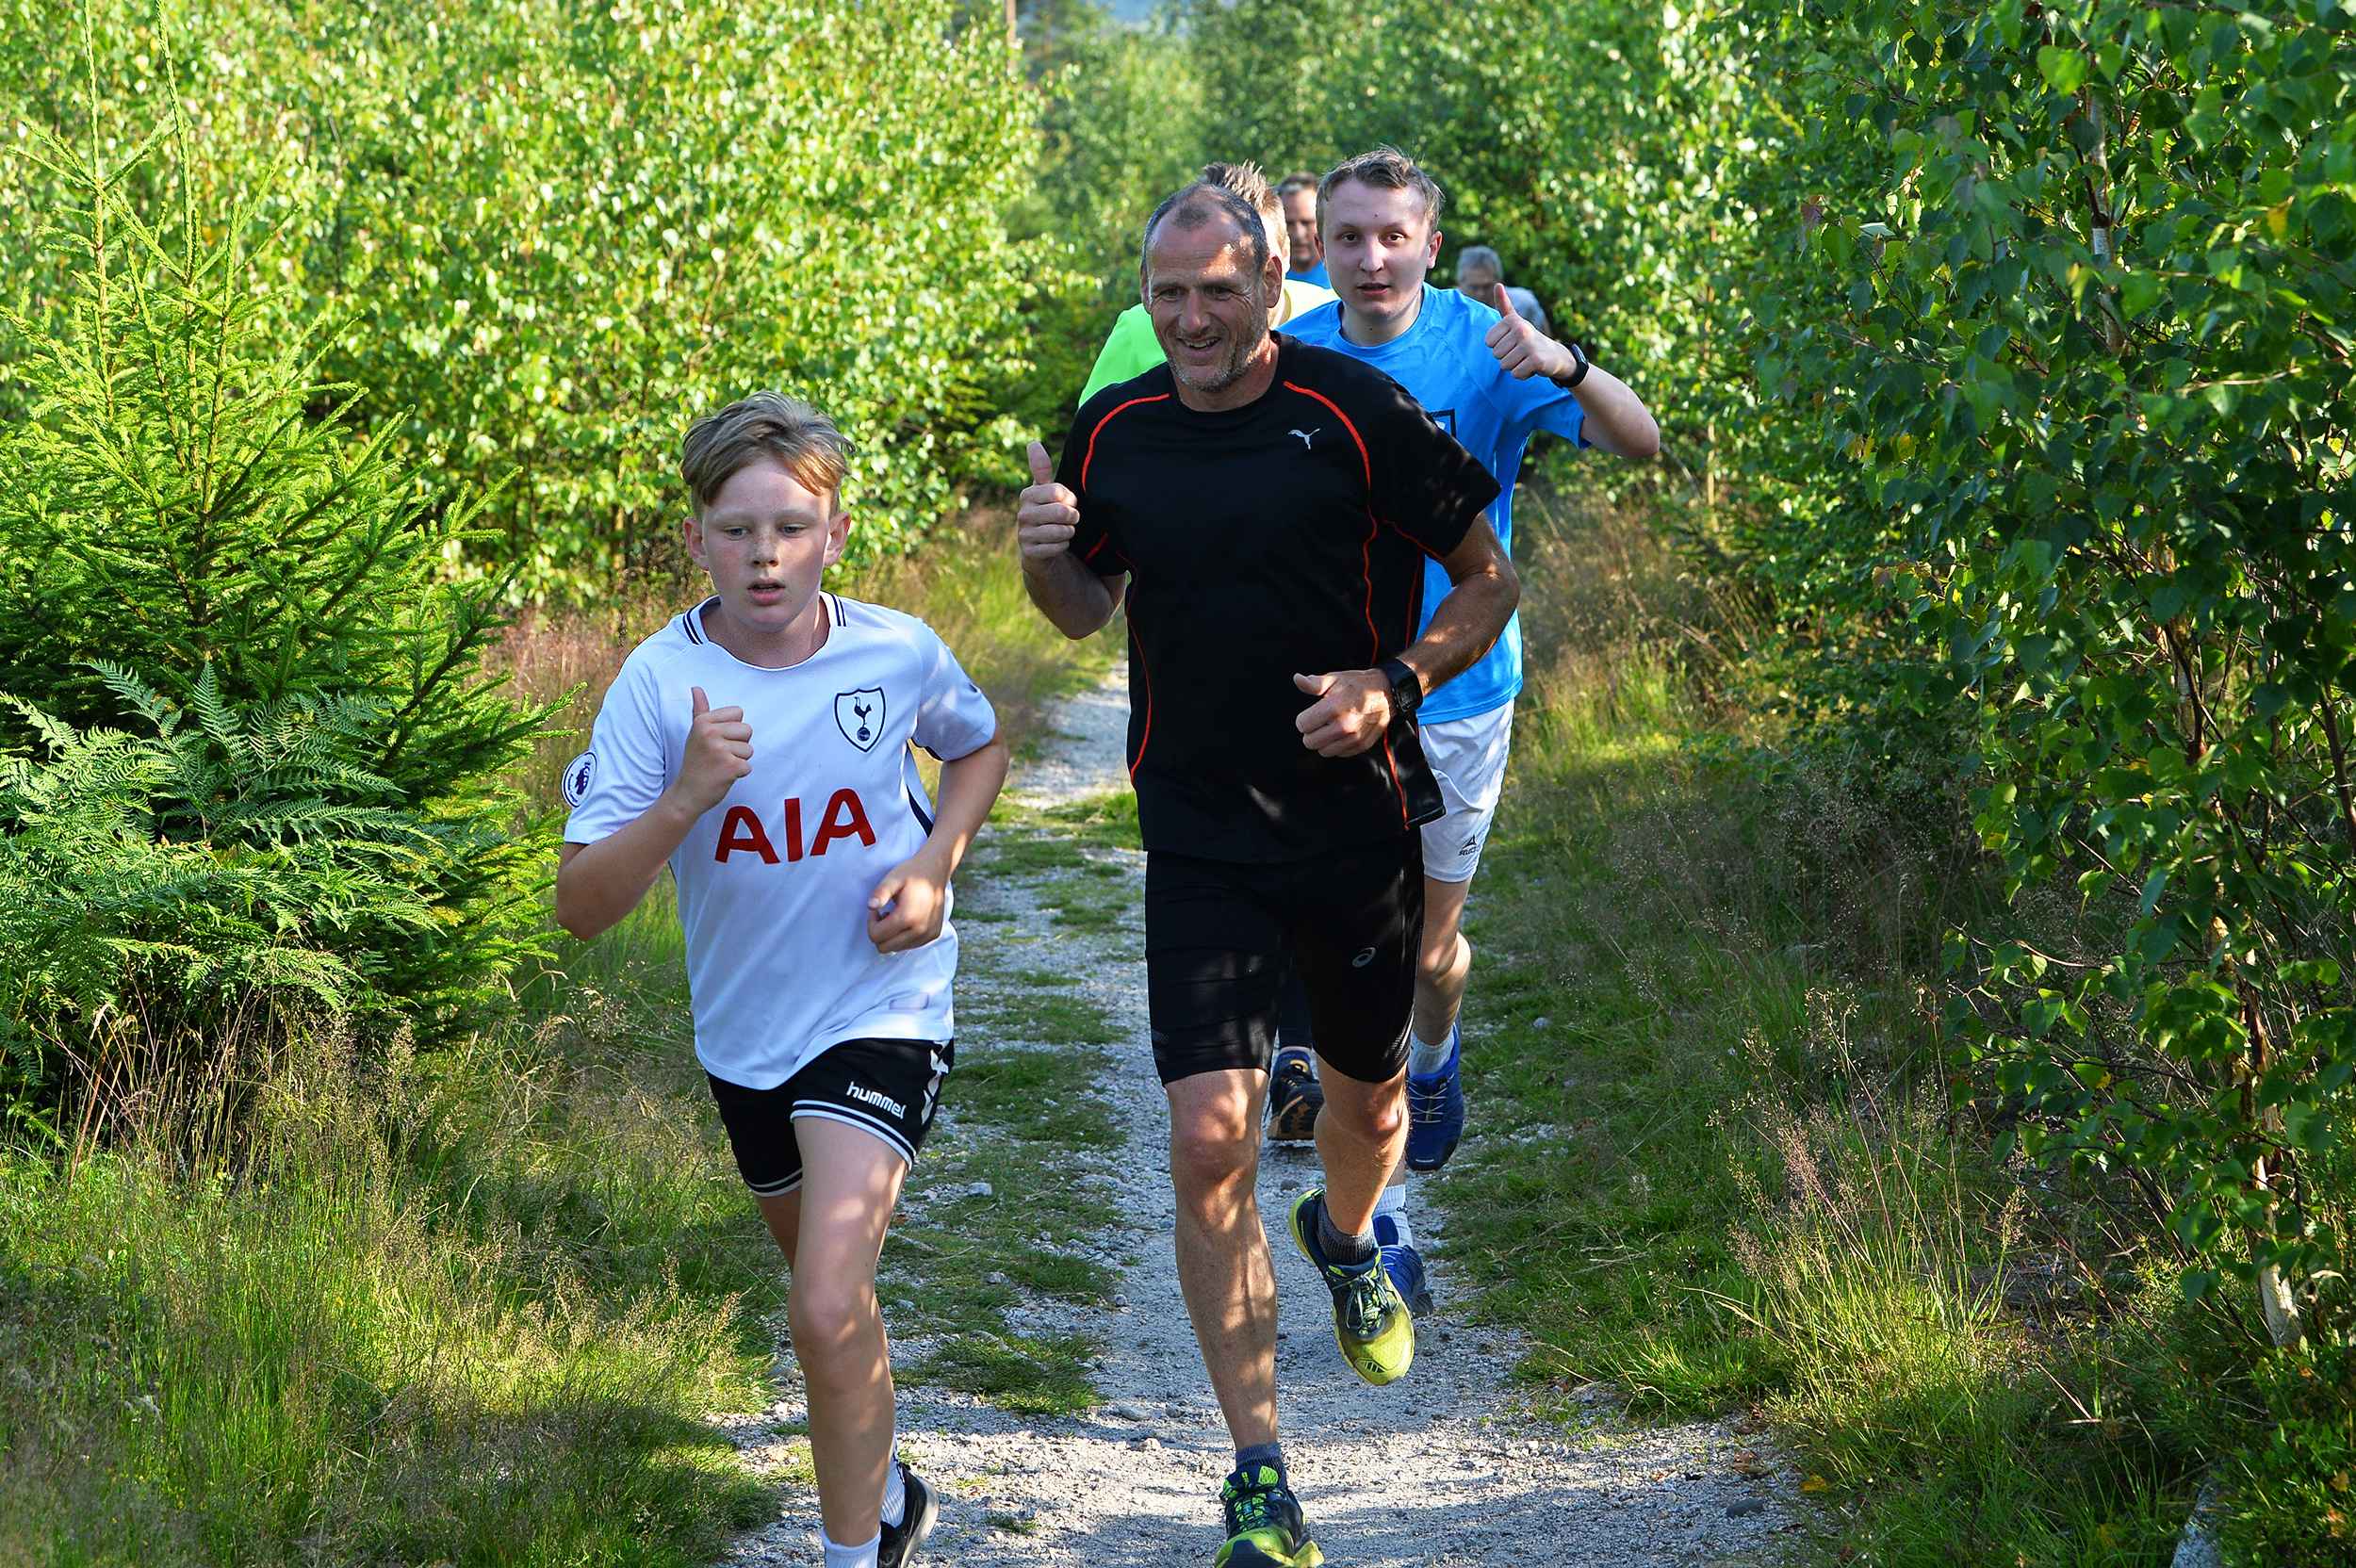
x,y
1047,514
719,752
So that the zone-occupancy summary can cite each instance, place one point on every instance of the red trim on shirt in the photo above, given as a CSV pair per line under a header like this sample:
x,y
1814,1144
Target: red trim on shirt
x,y
1090,456
1366,558
1136,651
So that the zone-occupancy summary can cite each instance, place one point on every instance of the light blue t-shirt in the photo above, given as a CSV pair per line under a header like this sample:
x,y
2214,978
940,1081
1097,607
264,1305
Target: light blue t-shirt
x,y
1315,274
1445,363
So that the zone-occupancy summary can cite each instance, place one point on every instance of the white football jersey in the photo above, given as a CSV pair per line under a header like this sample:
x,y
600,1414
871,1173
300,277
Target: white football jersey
x,y
774,881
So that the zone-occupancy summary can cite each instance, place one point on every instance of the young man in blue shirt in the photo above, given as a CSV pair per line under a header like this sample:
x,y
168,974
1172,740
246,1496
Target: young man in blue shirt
x,y
1488,380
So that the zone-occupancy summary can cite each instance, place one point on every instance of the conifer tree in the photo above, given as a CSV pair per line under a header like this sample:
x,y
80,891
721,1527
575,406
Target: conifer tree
x,y
184,514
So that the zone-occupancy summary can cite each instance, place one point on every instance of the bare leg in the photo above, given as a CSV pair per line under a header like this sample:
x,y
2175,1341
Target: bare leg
x,y
1362,1137
1445,962
783,1215
851,1183
1223,1265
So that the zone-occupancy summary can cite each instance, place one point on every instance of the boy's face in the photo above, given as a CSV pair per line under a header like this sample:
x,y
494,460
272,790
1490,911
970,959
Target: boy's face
x,y
766,541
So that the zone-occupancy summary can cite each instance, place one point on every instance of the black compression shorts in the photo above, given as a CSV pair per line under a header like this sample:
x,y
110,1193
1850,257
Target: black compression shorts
x,y
1219,936
887,1088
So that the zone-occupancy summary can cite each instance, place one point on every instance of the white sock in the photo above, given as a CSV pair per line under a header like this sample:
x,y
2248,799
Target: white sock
x,y
1392,1206
839,1556
1423,1060
895,1503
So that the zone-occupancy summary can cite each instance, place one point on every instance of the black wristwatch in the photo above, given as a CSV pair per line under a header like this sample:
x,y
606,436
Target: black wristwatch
x,y
1406,687
1579,372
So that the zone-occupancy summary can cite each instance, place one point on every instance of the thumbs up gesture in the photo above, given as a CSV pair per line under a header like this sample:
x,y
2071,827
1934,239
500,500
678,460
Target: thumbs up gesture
x,y
719,751
1046,514
1522,349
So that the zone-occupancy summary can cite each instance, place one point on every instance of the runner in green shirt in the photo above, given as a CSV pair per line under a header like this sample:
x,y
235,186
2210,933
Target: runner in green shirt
x,y
1133,349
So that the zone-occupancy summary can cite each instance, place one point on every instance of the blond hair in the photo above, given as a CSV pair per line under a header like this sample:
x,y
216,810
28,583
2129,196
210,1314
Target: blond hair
x,y
764,424
1246,181
1384,169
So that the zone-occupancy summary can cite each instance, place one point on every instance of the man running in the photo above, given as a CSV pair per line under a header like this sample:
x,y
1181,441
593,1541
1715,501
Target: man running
x,y
1307,261
1489,380
1265,508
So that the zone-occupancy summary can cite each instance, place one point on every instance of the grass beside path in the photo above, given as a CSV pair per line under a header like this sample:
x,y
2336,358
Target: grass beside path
x,y
1713,1162
312,1297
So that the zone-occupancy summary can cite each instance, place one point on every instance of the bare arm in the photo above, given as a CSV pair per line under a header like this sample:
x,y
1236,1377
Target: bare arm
x,y
1616,418
1077,601
1354,706
908,906
598,883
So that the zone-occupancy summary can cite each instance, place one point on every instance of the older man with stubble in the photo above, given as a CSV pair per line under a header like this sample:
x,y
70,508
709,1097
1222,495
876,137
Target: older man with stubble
x,y
1264,510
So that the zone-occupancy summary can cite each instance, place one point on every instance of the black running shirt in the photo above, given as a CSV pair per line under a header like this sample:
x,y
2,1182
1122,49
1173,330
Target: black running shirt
x,y
1286,536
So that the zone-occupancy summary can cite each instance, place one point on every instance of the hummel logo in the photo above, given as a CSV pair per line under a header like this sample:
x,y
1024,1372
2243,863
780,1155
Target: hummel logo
x,y
861,1091
1304,435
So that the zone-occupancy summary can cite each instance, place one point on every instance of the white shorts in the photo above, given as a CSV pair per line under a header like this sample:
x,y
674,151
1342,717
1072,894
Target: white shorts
x,y
1467,757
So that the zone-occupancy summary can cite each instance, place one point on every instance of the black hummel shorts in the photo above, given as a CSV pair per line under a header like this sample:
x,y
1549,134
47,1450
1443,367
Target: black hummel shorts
x,y
1219,936
889,1087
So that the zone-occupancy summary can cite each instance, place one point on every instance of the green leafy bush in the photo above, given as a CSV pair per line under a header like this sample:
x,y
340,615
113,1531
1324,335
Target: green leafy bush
x,y
2089,358
556,231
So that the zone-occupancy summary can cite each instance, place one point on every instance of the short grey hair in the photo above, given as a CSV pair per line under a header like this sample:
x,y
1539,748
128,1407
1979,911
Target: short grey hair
x,y
1480,258
1202,202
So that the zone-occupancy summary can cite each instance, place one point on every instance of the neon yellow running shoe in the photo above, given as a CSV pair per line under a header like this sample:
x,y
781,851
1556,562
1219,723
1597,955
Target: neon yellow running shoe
x,y
1265,1528
1370,1323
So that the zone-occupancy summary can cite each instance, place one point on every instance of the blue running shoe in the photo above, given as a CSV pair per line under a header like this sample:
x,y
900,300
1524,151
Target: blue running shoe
x,y
1404,1264
1435,1110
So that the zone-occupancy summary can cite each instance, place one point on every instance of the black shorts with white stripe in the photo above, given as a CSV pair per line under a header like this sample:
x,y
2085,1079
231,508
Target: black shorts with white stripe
x,y
887,1087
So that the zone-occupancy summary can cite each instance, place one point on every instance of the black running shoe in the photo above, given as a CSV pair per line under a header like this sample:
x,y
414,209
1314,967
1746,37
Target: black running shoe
x,y
1294,1100
1265,1528
904,1540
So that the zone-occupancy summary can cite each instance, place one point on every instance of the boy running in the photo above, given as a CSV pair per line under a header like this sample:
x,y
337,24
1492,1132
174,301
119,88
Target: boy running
x,y
1489,381
759,744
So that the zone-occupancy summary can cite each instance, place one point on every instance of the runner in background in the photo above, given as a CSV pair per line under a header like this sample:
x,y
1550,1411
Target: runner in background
x,y
1132,349
1305,258
1489,380
1480,274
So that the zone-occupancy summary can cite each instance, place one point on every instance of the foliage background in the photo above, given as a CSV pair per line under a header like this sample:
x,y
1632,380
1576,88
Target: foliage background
x,y
2002,357
553,232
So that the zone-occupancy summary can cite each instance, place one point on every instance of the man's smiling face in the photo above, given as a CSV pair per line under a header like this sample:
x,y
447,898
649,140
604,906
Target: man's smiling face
x,y
1209,311
1379,243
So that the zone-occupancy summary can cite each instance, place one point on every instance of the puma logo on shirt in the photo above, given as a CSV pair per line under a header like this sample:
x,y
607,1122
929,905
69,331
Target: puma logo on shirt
x,y
1304,435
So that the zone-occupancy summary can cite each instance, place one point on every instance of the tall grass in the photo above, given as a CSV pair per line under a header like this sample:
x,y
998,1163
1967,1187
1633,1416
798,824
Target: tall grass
x,y
315,1342
1725,1172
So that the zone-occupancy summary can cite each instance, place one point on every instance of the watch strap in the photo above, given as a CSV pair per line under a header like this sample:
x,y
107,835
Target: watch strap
x,y
1406,686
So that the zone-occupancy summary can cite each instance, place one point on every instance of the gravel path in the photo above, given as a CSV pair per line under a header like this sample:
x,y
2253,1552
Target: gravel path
x,y
1440,1468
